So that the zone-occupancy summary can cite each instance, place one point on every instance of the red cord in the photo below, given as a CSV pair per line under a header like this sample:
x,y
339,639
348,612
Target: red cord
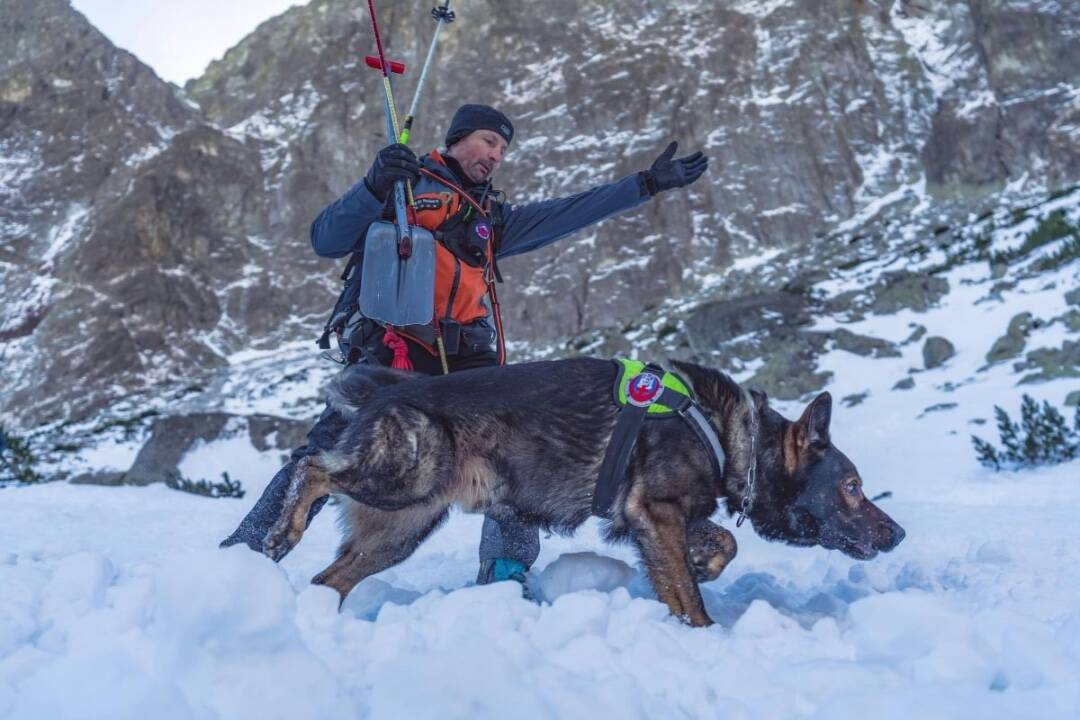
x,y
399,347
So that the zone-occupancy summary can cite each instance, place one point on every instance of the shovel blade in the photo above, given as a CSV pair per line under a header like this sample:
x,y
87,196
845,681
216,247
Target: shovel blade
x,y
395,290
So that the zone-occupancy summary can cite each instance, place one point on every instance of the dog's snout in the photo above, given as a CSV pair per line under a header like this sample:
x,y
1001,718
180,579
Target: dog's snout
x,y
894,535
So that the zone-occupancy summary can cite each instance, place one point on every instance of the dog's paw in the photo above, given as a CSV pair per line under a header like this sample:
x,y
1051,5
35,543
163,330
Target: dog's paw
x,y
709,549
276,544
707,568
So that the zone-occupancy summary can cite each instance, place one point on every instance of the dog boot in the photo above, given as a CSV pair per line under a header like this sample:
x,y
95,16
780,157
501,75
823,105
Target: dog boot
x,y
501,569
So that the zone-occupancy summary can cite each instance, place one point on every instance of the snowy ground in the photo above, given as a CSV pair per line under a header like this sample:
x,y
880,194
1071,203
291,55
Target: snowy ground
x,y
115,602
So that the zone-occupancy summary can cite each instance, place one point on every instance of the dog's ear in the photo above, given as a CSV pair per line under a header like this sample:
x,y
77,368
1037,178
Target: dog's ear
x,y
711,386
814,423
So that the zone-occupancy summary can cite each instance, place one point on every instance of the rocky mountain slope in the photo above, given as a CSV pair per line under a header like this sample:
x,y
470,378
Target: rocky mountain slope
x,y
153,248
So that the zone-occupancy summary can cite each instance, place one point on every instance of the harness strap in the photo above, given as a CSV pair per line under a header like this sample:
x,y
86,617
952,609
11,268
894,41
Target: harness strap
x,y
704,430
617,458
624,437
491,273
453,186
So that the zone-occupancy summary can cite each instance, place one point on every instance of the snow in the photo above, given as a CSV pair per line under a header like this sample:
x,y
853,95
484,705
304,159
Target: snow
x,y
758,9
539,80
611,266
144,617
110,454
233,453
273,128
575,572
876,205
932,37
61,235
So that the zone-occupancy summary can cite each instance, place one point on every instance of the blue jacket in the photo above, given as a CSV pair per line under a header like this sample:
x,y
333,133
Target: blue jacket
x,y
340,228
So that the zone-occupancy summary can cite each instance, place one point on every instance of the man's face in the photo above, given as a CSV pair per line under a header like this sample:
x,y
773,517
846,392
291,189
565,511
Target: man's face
x,y
479,153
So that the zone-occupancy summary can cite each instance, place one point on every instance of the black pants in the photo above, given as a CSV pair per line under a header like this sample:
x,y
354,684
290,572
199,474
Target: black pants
x,y
514,539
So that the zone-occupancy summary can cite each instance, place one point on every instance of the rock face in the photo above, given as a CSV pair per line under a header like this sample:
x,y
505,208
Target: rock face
x,y
147,234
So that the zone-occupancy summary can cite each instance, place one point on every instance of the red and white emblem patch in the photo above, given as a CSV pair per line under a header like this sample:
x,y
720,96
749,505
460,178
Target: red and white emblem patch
x,y
643,389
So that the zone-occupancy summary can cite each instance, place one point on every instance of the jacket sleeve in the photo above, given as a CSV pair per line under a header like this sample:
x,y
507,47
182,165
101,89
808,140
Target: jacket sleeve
x,y
534,225
340,228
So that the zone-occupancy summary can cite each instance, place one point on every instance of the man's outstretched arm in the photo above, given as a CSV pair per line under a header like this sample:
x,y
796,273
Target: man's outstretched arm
x,y
534,225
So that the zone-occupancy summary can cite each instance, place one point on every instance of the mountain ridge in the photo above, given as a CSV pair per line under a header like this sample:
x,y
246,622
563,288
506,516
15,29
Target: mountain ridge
x,y
837,130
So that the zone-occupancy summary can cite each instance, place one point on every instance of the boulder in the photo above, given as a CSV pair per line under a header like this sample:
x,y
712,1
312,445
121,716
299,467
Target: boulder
x,y
905,384
936,350
1051,363
904,289
844,339
1011,344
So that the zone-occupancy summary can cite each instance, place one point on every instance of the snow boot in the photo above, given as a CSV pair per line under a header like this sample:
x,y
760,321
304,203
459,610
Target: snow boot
x,y
501,569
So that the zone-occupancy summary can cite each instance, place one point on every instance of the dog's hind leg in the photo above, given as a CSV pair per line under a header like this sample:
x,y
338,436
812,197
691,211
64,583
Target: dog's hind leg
x,y
309,483
711,548
377,539
659,529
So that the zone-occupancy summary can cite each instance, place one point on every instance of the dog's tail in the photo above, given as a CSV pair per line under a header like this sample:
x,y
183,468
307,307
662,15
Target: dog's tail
x,y
352,387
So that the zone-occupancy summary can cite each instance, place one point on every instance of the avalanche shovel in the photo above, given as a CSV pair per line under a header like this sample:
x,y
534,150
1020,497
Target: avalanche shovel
x,y
397,284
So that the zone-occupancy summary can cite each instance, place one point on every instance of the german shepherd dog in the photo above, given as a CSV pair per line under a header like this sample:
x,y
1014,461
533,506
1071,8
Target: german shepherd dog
x,y
529,439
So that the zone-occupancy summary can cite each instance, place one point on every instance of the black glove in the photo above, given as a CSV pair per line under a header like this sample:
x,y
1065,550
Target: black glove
x,y
392,163
666,173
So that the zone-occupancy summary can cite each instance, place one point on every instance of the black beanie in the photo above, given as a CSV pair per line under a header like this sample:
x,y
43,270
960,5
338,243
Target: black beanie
x,y
478,117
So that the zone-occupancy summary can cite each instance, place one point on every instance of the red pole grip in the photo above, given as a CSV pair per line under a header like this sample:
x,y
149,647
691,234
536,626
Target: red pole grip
x,y
373,62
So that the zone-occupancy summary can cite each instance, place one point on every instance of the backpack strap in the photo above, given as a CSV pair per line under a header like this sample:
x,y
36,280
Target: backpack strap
x,y
343,308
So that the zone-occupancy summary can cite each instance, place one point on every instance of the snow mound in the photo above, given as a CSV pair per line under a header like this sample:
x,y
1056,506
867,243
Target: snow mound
x,y
574,572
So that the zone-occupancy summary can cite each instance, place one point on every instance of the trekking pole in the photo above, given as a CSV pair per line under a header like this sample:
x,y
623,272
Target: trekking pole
x,y
443,16
400,187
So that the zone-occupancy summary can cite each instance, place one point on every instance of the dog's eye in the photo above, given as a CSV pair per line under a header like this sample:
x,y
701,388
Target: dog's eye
x,y
851,487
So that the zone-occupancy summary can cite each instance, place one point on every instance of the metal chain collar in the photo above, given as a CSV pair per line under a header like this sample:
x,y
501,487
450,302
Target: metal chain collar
x,y
751,471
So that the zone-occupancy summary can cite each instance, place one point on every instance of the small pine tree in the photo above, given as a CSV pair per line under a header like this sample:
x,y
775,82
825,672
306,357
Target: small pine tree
x,y
1042,437
988,454
17,461
226,488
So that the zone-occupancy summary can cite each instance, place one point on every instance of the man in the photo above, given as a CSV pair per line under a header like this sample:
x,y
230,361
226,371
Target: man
x,y
474,228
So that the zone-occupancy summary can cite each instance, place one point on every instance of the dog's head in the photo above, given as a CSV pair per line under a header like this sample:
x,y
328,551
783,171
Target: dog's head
x,y
806,492
811,493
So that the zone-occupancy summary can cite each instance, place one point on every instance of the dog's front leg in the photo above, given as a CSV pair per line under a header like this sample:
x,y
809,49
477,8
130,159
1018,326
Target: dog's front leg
x,y
659,528
309,483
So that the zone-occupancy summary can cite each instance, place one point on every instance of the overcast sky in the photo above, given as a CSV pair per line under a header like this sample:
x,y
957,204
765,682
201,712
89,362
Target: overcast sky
x,y
179,38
